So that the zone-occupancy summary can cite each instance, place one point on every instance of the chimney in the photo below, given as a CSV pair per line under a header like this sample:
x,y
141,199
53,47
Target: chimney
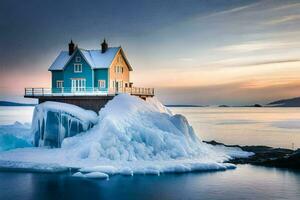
x,y
71,48
104,46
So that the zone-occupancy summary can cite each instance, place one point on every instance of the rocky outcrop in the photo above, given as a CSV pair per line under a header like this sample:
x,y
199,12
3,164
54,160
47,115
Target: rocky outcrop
x,y
266,156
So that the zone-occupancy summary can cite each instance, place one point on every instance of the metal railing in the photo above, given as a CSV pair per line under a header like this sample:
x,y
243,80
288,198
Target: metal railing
x,y
38,92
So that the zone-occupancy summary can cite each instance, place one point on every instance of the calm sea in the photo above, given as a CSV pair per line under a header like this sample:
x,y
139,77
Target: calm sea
x,y
245,182
278,127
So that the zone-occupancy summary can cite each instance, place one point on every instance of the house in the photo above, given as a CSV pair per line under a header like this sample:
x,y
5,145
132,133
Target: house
x,y
106,70
89,78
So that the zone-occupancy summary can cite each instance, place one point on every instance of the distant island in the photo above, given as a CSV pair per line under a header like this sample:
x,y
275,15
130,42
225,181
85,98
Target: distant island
x,y
183,105
226,106
294,102
9,103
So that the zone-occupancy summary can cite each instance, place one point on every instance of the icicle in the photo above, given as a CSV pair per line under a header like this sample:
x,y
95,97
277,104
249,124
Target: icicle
x,y
52,122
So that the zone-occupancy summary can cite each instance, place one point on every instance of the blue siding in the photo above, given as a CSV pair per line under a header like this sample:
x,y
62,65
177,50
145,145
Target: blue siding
x,y
68,74
56,75
101,74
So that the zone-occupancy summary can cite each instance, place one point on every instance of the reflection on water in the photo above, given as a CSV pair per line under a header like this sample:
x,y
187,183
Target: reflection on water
x,y
245,182
277,127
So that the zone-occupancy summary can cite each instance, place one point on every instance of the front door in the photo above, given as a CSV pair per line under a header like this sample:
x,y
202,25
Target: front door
x,y
78,85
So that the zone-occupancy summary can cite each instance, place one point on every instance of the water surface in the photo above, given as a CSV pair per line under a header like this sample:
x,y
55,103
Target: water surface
x,y
276,127
246,182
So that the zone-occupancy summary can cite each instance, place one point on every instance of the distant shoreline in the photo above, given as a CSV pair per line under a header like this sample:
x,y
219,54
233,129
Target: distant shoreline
x,y
182,105
14,104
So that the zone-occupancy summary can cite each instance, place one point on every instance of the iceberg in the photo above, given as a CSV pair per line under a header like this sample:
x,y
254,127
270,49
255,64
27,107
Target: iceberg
x,y
53,121
129,136
15,135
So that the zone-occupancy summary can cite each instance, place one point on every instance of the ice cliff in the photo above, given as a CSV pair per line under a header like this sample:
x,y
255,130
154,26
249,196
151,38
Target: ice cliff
x,y
53,121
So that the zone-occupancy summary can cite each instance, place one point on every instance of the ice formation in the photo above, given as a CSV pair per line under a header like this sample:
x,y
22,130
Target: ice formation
x,y
15,135
131,136
53,121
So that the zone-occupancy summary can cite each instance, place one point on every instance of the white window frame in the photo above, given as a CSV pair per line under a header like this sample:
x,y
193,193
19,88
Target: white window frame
x,y
78,84
78,59
77,68
59,84
101,84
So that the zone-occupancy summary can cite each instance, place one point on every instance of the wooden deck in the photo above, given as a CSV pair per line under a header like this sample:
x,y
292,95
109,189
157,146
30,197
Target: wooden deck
x,y
46,92
91,99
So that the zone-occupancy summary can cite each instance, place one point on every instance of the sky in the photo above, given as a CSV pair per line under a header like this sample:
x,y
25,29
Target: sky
x,y
204,52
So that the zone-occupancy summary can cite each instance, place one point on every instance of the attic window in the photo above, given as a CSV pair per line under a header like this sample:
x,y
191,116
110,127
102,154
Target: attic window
x,y
119,69
77,68
78,59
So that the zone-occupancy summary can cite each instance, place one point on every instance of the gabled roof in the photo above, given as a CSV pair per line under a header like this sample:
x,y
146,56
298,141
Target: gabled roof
x,y
95,58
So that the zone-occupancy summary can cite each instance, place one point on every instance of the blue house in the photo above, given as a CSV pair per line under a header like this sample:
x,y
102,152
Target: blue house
x,y
102,71
89,78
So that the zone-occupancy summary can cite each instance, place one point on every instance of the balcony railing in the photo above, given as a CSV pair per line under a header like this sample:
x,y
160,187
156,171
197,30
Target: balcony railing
x,y
39,92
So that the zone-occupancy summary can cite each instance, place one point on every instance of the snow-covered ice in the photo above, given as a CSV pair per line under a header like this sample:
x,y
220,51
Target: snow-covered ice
x,y
130,136
96,175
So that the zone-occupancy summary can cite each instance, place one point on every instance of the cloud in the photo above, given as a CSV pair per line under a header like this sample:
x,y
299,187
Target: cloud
x,y
244,62
283,20
230,11
286,6
186,59
232,94
257,46
271,62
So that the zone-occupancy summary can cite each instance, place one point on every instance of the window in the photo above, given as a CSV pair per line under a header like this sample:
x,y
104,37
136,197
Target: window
x,y
78,59
77,68
101,84
59,84
118,69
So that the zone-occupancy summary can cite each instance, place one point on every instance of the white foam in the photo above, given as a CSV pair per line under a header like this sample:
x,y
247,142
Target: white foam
x,y
104,169
97,175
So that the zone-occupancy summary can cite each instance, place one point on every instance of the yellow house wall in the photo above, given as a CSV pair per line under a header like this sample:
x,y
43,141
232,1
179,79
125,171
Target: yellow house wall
x,y
114,75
